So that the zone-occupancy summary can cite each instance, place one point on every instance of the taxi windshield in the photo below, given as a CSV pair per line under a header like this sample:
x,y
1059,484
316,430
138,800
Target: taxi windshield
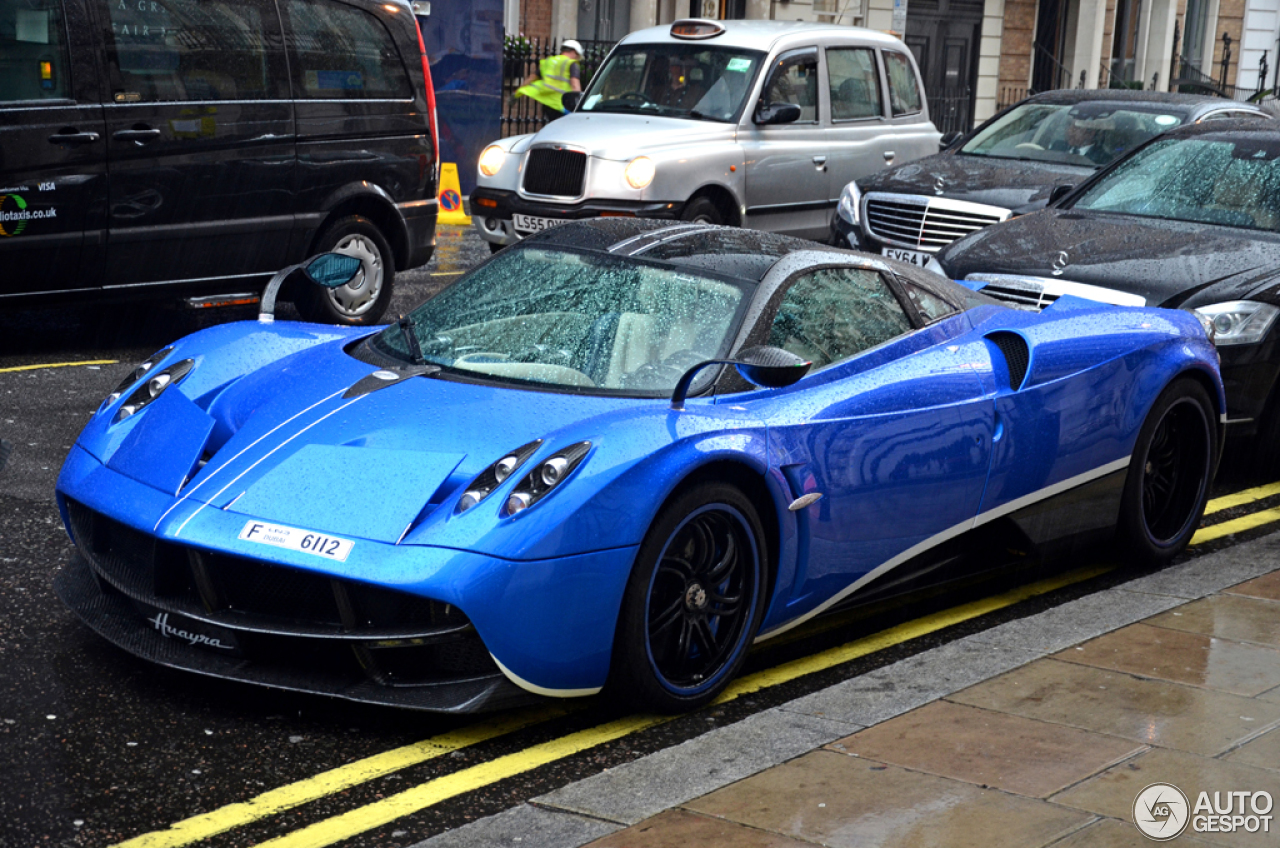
x,y
678,80
1089,134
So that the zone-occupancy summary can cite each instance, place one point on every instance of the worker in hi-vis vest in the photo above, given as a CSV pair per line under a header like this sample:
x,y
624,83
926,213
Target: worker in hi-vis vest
x,y
555,76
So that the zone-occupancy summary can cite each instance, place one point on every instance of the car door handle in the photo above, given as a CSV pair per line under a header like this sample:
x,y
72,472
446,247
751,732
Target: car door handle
x,y
138,135
888,156
72,136
819,160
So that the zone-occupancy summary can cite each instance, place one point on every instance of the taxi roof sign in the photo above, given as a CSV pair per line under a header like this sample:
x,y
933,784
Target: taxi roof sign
x,y
695,28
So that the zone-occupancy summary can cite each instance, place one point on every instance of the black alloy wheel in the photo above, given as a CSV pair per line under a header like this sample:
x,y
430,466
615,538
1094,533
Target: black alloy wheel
x,y
1169,474
693,601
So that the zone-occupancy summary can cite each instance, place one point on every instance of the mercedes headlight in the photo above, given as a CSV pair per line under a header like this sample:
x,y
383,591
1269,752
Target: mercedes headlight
x,y
850,201
493,476
640,172
1238,321
491,160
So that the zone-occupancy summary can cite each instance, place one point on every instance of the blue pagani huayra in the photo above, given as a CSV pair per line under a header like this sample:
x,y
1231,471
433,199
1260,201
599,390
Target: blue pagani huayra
x,y
555,477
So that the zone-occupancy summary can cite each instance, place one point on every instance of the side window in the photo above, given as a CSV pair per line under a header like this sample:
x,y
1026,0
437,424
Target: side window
x,y
835,313
187,50
855,85
904,95
33,50
794,79
340,52
930,305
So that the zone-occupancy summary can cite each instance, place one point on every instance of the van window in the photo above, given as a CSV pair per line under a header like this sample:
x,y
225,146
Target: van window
x,y
855,86
33,50
343,53
904,94
184,50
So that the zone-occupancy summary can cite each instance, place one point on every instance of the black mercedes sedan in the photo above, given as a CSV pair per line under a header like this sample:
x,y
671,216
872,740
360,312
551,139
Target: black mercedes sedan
x,y
1190,221
1009,165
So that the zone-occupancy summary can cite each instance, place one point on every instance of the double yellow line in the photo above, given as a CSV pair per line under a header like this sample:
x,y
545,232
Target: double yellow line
x,y
364,818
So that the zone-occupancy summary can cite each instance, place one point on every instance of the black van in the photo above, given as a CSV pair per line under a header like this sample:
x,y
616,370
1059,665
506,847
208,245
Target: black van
x,y
194,146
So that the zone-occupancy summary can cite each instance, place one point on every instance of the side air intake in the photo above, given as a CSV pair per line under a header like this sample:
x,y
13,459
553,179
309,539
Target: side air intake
x,y
1016,355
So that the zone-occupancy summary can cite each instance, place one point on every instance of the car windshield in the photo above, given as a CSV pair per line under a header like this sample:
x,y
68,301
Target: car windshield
x,y
582,321
679,80
1089,134
1232,183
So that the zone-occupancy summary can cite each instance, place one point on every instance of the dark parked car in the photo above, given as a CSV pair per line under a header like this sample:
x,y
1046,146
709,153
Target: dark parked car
x,y
1009,166
182,147
1190,221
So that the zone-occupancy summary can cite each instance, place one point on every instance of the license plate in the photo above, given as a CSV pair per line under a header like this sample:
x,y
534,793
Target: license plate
x,y
197,634
915,257
531,224
291,538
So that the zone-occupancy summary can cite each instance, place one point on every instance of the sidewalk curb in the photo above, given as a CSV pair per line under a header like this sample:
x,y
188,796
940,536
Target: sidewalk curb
x,y
620,797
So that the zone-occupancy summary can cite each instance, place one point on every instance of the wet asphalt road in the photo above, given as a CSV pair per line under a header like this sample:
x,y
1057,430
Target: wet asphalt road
x,y
97,747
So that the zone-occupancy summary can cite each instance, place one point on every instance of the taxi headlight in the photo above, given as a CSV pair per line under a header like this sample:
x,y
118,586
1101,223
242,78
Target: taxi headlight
x,y
1238,322
491,160
640,172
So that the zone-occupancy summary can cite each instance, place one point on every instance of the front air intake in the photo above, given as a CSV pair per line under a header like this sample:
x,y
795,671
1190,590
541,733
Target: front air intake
x,y
1016,355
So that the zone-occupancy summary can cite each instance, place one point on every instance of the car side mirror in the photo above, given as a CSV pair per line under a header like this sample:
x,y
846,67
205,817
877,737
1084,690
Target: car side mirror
x,y
769,367
950,139
330,270
570,100
777,113
1059,192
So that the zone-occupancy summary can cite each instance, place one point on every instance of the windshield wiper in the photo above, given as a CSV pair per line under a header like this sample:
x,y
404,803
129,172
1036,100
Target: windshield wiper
x,y
410,334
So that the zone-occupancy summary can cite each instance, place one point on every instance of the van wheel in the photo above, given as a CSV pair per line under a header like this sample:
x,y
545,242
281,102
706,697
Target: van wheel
x,y
363,300
692,603
1169,475
701,210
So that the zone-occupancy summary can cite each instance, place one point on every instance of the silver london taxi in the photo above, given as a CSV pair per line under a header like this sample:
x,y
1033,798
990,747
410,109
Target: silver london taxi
x,y
752,123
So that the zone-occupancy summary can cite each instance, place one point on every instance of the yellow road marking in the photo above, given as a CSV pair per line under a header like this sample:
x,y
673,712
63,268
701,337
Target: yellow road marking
x,y
361,819
1236,525
335,780
1242,497
389,809
58,365
442,788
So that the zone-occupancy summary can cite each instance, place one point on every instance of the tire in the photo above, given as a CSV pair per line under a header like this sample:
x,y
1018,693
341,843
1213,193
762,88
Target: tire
x,y
363,301
494,248
1169,475
701,210
1264,448
680,639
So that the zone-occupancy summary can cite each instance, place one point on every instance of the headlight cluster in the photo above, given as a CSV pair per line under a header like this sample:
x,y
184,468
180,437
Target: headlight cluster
x,y
850,200
135,375
1238,321
152,387
491,160
640,171
545,476
495,474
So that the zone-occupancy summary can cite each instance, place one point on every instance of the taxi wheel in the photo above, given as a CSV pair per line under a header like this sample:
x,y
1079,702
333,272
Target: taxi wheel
x,y
1169,475
362,301
701,210
692,603
494,248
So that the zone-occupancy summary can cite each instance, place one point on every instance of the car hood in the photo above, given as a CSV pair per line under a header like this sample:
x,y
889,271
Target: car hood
x,y
1010,184
315,440
623,137
1170,263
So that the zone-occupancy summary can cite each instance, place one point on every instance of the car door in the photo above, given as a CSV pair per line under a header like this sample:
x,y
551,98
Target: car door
x,y
786,182
52,149
893,431
858,143
200,140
